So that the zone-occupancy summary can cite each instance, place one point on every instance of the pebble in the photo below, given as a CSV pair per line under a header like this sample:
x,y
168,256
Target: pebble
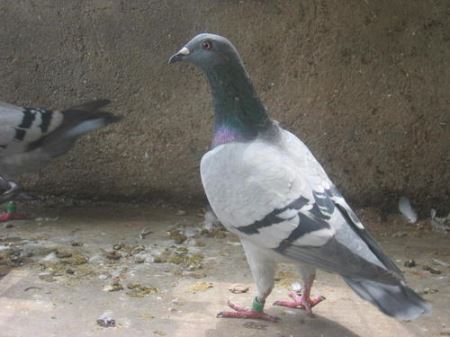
x,y
115,286
410,263
63,254
238,289
106,321
139,259
432,270
113,255
427,290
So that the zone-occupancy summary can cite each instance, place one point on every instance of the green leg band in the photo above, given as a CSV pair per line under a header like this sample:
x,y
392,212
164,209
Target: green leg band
x,y
257,305
10,207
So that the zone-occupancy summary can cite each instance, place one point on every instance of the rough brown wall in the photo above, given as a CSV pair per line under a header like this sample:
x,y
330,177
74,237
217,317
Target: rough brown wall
x,y
366,84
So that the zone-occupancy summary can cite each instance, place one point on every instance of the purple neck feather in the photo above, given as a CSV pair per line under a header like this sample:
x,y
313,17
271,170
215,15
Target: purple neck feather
x,y
225,134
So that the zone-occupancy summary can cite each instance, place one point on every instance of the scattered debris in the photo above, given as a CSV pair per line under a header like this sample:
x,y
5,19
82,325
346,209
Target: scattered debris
x,y
210,221
47,276
139,259
191,242
138,290
431,269
200,287
42,219
218,232
114,286
113,255
440,263
426,291
400,234
103,276
297,287
76,243
70,271
32,288
62,254
144,233
238,289
181,212
11,256
180,256
177,235
255,325
406,210
106,321
117,246
9,225
285,279
197,274
76,260
410,263
137,249
440,224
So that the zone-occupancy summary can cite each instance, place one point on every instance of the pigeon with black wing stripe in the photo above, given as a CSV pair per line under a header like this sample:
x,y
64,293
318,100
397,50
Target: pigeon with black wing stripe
x,y
264,185
31,137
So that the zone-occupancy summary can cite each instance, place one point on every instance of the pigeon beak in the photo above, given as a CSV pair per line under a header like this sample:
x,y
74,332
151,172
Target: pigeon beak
x,y
179,56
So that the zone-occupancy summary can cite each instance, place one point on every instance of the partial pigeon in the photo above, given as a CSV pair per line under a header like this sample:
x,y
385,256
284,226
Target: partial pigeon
x,y
264,185
30,137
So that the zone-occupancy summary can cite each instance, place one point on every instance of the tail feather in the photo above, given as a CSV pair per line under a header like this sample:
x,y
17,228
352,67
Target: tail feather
x,y
398,301
78,120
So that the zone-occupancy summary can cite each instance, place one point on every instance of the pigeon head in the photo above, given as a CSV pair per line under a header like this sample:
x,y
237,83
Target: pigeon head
x,y
239,114
207,51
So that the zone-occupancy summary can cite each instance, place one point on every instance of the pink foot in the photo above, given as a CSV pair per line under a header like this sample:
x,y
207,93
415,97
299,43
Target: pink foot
x,y
8,216
241,312
300,302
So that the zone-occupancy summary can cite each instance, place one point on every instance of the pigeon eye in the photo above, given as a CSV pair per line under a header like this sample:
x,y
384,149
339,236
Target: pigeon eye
x,y
206,44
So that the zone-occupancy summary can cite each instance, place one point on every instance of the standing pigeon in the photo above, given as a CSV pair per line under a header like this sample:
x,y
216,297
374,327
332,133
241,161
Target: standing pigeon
x,y
30,137
264,185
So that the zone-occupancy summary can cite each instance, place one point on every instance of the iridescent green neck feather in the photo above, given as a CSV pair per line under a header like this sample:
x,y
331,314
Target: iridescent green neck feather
x,y
239,113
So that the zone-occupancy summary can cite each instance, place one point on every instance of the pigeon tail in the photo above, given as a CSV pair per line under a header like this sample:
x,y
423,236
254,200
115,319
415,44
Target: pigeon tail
x,y
398,301
78,120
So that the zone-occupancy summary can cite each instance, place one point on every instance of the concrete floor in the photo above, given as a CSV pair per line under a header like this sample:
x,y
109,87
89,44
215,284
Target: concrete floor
x,y
56,272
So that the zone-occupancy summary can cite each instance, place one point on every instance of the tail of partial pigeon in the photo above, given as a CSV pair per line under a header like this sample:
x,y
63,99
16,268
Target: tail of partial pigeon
x,y
398,300
77,120
30,137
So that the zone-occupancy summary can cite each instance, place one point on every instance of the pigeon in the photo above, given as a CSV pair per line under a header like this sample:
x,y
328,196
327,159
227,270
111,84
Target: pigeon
x,y
265,185
31,137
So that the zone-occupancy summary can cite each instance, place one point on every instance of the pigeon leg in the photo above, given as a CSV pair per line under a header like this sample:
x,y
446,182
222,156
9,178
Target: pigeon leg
x,y
303,301
256,312
12,190
263,271
11,213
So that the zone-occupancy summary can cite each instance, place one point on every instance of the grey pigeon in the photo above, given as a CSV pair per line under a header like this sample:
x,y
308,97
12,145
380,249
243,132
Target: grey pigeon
x,y
265,186
31,137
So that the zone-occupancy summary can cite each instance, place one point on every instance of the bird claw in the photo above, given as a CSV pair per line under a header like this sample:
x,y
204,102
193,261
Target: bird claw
x,y
7,216
241,312
300,302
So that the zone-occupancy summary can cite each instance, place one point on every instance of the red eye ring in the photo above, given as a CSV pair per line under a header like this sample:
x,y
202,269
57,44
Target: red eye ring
x,y
206,44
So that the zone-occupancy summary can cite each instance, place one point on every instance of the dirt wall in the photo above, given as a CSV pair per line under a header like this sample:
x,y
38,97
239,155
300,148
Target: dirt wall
x,y
366,84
